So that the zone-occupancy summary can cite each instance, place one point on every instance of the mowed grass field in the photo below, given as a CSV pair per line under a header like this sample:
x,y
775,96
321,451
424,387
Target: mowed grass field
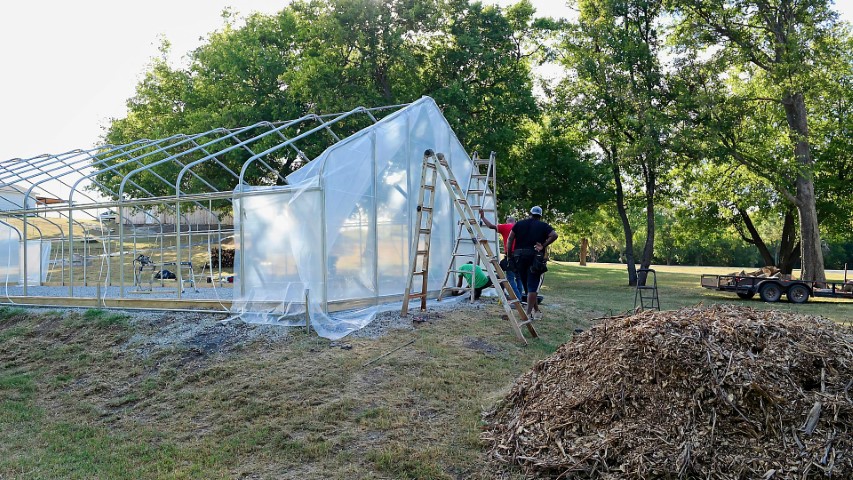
x,y
80,400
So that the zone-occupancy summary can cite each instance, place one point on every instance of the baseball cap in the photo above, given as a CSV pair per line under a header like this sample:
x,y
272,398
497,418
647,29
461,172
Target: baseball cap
x,y
537,210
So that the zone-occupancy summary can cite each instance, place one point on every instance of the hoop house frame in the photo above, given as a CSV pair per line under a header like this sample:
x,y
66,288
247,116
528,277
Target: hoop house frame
x,y
331,240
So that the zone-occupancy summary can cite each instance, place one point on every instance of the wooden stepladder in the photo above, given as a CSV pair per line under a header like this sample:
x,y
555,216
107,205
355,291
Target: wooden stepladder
x,y
511,304
423,229
480,195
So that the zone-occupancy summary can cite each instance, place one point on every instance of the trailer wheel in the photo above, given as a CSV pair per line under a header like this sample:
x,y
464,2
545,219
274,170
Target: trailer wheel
x,y
746,295
798,294
770,292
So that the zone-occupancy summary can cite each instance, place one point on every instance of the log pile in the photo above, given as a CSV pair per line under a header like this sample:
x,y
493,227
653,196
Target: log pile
x,y
763,272
703,392
227,257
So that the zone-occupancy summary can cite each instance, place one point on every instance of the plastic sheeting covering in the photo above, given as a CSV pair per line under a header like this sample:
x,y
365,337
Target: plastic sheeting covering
x,y
11,253
338,237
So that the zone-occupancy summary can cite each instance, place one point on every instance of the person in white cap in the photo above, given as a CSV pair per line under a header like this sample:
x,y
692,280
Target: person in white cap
x,y
528,239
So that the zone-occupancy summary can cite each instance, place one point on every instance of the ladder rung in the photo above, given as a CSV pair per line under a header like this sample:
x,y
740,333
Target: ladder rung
x,y
422,252
429,187
418,273
464,254
482,162
424,231
476,192
426,209
417,295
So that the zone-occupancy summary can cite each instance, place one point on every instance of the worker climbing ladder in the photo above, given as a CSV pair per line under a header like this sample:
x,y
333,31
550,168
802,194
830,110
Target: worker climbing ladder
x,y
423,228
511,304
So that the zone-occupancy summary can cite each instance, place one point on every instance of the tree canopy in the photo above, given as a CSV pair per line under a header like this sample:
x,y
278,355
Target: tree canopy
x,y
705,131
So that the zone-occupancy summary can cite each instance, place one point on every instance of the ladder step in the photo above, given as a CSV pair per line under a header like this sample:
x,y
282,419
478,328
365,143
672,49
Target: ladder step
x,y
482,162
422,252
429,187
417,295
424,231
476,192
418,273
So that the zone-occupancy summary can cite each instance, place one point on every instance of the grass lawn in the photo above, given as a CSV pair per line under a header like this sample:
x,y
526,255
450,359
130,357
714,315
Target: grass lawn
x,y
79,400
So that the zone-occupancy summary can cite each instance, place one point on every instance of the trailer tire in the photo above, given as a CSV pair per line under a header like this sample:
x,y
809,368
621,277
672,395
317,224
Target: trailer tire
x,y
770,292
746,295
798,294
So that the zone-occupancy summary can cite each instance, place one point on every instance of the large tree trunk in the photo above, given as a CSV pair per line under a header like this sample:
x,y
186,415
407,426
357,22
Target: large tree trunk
x,y
626,225
584,250
755,238
649,248
789,248
810,245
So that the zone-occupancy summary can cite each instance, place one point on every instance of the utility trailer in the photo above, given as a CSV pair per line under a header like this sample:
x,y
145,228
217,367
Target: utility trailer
x,y
771,289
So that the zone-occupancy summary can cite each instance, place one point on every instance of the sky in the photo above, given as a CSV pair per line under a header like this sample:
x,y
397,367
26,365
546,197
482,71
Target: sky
x,y
68,67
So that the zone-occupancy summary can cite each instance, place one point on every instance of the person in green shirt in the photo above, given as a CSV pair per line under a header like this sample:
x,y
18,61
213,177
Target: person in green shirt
x,y
481,280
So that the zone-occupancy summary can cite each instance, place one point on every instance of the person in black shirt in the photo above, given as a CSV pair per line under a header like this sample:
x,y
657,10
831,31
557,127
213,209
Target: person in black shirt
x,y
529,238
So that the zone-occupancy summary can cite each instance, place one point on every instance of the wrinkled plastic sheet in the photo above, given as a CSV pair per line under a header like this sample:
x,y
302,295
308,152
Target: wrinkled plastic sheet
x,y
334,246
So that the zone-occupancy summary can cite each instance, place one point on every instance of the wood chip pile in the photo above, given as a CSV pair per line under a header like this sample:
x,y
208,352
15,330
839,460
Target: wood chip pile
x,y
703,392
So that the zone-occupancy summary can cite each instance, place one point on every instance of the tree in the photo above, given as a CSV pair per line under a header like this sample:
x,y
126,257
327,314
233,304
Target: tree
x,y
566,180
621,93
335,55
780,44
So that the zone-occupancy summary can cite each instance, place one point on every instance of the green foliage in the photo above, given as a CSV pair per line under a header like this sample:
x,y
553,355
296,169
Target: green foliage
x,y
329,56
680,104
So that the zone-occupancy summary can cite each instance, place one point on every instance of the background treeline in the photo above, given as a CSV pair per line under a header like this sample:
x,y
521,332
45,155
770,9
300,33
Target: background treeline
x,y
678,131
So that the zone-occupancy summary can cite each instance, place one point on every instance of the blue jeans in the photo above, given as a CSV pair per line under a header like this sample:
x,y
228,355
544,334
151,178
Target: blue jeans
x,y
515,283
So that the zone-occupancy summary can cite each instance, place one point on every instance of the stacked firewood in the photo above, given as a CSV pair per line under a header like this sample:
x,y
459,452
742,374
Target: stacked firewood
x,y
703,392
763,272
227,257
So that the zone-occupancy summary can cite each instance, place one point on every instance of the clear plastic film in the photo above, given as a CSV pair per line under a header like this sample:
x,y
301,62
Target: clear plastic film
x,y
338,237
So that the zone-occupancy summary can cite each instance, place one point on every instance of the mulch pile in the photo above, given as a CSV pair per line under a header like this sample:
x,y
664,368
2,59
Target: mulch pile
x,y
702,392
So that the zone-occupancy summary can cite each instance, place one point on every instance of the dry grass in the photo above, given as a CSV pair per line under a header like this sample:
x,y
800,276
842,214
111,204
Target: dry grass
x,y
79,399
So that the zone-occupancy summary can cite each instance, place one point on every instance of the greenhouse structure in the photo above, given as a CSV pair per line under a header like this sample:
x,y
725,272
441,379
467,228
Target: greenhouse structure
x,y
209,222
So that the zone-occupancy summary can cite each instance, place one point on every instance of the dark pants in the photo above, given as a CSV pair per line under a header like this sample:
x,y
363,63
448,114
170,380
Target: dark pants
x,y
479,290
523,259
